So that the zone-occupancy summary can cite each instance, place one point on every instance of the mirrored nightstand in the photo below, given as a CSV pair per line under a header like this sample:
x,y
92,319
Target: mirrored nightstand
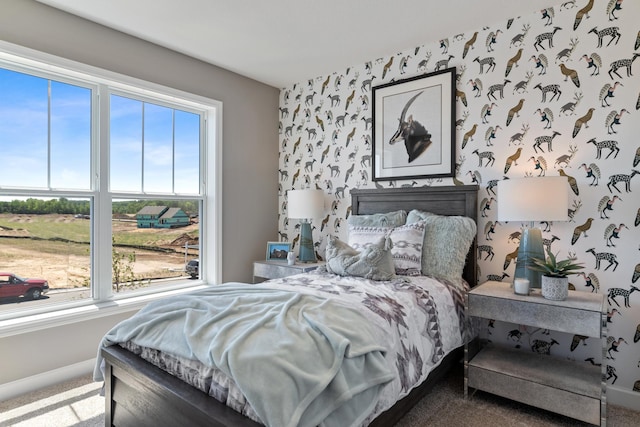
x,y
265,270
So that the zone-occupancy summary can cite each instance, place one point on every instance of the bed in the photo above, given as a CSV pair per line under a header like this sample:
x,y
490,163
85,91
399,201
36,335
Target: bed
x,y
138,393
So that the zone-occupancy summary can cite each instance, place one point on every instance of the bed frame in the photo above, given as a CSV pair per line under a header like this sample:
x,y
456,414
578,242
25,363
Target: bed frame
x,y
138,393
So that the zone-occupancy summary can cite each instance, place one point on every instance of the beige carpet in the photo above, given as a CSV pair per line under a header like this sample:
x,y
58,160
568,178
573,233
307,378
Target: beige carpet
x,y
77,403
73,403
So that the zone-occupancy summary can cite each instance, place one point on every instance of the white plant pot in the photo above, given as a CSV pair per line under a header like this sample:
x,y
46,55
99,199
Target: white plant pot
x,y
555,288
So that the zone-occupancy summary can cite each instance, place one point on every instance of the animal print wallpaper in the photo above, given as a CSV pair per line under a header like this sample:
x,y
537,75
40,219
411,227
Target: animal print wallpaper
x,y
551,93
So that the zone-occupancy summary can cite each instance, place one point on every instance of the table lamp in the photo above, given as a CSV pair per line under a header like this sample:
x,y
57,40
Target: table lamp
x,y
532,199
305,205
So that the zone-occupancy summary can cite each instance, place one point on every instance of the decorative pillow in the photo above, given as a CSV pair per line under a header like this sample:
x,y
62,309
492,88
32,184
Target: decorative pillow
x,y
447,240
374,262
407,244
390,219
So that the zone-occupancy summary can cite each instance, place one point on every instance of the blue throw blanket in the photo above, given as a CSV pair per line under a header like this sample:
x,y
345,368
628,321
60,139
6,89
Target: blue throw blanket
x,y
299,359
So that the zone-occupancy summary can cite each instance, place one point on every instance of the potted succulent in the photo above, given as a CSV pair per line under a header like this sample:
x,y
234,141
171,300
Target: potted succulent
x,y
554,281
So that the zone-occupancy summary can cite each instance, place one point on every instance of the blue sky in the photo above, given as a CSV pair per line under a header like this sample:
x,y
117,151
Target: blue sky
x,y
24,127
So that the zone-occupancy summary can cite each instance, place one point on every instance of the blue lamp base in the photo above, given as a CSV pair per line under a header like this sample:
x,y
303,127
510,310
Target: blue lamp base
x,y
307,253
530,247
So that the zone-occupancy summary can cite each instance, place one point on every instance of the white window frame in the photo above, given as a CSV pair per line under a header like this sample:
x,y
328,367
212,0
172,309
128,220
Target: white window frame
x,y
104,301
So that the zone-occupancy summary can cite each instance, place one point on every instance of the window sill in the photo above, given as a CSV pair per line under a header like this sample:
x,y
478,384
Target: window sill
x,y
66,316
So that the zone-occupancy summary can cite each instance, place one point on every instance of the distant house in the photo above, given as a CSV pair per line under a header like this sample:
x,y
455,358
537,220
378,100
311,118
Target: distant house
x,y
161,217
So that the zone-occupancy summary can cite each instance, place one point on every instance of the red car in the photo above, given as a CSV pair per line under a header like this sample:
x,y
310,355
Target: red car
x,y
15,286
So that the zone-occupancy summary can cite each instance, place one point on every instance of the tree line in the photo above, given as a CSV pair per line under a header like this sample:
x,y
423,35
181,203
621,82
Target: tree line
x,y
63,205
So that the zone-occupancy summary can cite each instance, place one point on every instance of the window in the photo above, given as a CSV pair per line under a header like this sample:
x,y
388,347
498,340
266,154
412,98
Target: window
x,y
154,148
103,193
45,130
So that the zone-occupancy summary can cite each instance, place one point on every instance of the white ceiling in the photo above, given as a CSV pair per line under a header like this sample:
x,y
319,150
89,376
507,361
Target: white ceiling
x,y
281,42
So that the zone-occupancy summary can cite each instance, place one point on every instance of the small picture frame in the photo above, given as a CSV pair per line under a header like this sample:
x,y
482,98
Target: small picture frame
x,y
277,251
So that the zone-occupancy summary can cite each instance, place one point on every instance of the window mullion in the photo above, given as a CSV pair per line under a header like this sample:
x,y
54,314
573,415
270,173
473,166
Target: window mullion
x,y
173,150
101,217
142,157
49,134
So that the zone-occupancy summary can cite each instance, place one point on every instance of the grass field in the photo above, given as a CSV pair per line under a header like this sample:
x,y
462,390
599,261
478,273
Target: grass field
x,y
26,248
78,230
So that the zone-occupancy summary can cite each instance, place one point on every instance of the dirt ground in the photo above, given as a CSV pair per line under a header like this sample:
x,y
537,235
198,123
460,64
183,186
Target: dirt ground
x,y
72,271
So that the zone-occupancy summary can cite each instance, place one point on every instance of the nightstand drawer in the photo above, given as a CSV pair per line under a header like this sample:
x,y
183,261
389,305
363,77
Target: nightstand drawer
x,y
580,313
265,270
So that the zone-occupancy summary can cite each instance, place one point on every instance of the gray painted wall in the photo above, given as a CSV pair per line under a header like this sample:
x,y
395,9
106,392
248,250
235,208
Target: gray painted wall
x,y
250,157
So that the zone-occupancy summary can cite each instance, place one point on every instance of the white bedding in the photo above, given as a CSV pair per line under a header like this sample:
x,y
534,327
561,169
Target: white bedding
x,y
418,320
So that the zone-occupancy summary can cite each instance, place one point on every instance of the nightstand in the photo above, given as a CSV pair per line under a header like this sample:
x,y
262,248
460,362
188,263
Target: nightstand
x,y
265,270
573,389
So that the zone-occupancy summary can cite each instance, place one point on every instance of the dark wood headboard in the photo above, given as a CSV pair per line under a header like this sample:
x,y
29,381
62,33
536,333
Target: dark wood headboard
x,y
442,200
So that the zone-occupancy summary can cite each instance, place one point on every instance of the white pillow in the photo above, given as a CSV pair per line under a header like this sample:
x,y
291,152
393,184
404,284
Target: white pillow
x,y
407,241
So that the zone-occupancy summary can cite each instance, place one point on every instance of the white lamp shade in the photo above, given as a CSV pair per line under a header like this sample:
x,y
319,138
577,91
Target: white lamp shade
x,y
533,199
305,204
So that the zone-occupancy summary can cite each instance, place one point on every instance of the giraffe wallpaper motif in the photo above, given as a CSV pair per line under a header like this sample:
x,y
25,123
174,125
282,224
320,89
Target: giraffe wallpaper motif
x,y
551,93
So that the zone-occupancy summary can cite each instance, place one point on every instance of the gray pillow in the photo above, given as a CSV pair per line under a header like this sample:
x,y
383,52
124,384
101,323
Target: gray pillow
x,y
374,262
390,219
447,240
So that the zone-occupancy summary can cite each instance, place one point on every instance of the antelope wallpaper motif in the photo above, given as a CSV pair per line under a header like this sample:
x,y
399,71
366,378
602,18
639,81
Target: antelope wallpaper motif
x,y
552,93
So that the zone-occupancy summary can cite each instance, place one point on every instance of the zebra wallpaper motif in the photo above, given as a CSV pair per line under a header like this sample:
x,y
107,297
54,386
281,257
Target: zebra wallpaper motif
x,y
551,93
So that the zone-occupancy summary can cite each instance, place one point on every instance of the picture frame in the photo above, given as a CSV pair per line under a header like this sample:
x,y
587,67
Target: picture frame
x,y
414,127
277,251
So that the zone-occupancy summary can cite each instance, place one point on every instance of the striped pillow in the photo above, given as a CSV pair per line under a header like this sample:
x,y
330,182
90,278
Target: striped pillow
x,y
407,241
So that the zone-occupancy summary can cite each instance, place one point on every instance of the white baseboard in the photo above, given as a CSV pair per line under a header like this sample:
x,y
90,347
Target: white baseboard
x,y
45,379
622,397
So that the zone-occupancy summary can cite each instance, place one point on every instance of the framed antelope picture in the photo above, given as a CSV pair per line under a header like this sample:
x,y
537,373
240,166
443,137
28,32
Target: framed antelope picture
x,y
414,127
